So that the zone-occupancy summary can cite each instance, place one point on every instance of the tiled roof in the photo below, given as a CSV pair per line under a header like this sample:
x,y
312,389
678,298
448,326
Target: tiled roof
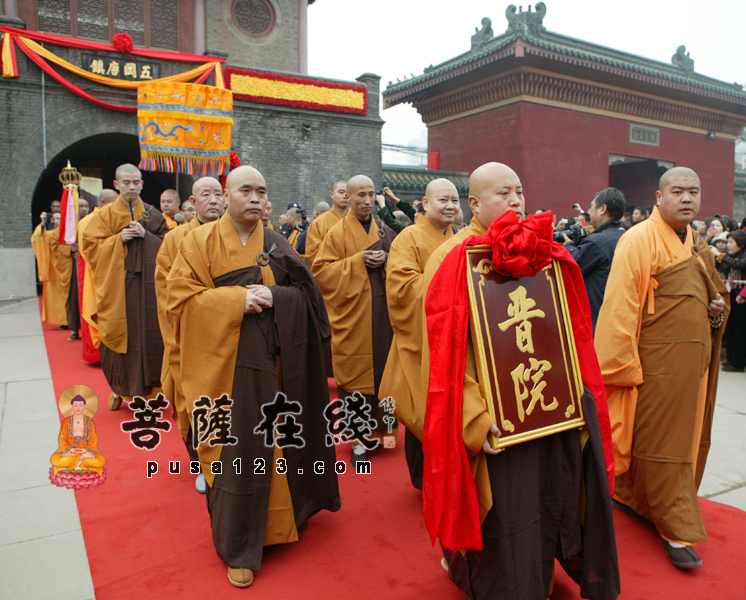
x,y
578,49
408,178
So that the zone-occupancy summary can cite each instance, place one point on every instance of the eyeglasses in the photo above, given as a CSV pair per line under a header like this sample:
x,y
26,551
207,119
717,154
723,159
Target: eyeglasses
x,y
188,210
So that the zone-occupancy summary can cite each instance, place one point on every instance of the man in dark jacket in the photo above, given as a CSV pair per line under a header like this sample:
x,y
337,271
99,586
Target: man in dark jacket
x,y
595,251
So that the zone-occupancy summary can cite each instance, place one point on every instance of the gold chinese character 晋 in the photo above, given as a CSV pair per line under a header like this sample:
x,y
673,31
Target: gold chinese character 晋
x,y
520,312
113,69
130,70
145,72
521,375
97,66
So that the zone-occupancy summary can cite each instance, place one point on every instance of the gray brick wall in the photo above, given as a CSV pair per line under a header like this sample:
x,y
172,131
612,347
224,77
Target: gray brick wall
x,y
277,51
300,152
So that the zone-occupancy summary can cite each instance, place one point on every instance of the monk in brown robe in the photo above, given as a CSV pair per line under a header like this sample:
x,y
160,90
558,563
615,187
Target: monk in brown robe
x,y
208,202
88,328
350,267
120,243
409,254
529,495
659,336
321,225
250,322
170,203
54,298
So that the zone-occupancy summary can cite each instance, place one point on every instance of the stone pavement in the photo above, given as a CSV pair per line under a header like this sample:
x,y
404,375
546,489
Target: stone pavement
x,y
42,553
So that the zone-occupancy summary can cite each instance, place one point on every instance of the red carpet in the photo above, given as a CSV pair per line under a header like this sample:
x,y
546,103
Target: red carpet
x,y
150,538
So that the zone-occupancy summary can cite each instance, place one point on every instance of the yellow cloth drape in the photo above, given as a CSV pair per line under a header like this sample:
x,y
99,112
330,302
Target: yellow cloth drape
x,y
405,280
130,85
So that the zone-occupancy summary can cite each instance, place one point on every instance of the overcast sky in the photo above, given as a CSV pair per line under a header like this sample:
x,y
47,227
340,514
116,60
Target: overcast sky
x,y
393,38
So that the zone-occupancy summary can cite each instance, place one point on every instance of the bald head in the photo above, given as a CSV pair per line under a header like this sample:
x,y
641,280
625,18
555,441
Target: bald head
x,y
678,197
320,209
129,183
441,203
356,182
83,207
203,182
106,197
440,186
362,196
170,202
675,172
127,169
207,200
494,188
241,174
340,199
246,197
54,206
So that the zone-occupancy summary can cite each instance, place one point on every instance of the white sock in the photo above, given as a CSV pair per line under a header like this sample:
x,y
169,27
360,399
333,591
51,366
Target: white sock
x,y
675,545
358,449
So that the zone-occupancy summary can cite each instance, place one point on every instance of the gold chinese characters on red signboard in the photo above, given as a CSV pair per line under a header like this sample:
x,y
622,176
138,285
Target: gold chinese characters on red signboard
x,y
525,350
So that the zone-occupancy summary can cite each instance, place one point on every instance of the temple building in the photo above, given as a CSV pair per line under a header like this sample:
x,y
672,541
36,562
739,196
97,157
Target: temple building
x,y
69,93
573,118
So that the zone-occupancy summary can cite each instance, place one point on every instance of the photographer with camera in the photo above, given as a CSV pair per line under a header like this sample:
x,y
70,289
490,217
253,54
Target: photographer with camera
x,y
388,204
595,251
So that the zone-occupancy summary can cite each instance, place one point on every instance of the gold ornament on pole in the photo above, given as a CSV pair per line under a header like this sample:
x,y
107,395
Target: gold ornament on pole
x,y
69,176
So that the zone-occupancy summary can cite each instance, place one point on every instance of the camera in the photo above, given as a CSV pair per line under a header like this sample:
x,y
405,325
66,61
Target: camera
x,y
574,232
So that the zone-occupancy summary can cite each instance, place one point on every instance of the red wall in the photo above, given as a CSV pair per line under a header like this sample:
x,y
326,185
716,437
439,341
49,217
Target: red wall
x,y
562,156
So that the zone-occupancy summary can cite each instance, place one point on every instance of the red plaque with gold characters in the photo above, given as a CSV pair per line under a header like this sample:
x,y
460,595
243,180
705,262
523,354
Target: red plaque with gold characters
x,y
525,350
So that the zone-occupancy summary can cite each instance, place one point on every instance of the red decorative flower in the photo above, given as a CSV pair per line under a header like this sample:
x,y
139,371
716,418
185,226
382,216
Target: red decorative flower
x,y
521,249
123,42
235,160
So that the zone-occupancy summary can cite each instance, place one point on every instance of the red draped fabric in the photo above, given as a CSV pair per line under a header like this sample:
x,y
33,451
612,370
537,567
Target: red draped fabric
x,y
90,352
519,249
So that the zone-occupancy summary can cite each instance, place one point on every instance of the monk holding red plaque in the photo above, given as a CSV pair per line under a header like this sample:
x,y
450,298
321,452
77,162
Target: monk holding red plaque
x,y
517,443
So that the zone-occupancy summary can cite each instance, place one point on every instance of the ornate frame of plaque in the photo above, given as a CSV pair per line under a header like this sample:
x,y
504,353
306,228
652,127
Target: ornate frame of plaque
x,y
534,386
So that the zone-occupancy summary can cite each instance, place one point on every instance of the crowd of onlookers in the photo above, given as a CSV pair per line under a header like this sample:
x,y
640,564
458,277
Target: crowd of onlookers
x,y
725,236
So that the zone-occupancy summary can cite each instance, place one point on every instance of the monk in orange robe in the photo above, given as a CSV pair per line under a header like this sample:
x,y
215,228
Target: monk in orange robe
x,y
170,204
267,216
120,243
409,254
64,261
321,225
295,223
249,322
349,267
208,203
528,505
88,328
52,306
659,335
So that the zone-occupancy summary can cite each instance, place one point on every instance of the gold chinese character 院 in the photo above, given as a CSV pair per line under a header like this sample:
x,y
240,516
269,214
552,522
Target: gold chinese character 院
x,y
130,70
113,69
145,72
521,375
520,312
97,66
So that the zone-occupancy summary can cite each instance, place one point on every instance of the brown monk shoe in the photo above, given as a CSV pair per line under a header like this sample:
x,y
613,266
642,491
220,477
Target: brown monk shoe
x,y
240,577
114,401
683,558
